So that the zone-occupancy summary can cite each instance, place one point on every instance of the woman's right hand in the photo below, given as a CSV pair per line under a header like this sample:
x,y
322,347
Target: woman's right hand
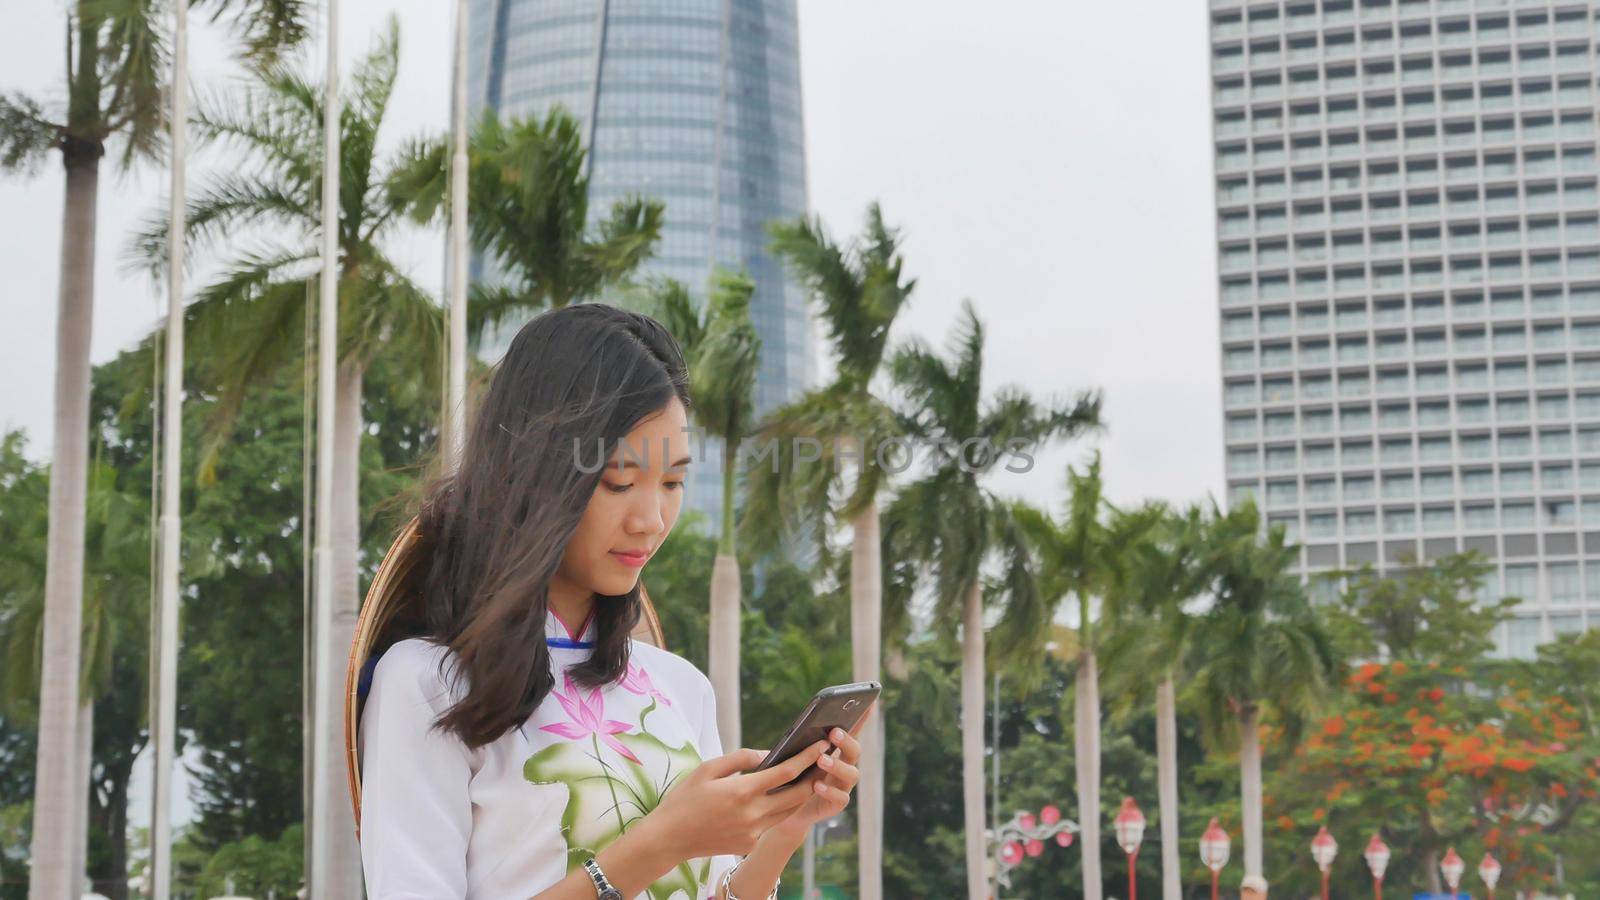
x,y
721,807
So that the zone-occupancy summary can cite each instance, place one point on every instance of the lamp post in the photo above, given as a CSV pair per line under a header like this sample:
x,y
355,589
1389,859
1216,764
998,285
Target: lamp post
x,y
1024,835
1377,854
1323,849
1489,871
1214,852
1129,826
1452,867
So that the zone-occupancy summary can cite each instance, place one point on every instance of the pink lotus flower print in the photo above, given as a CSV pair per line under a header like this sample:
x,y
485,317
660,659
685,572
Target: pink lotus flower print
x,y
638,681
588,718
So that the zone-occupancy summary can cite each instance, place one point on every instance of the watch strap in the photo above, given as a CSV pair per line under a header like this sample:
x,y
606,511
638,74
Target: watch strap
x,y
602,887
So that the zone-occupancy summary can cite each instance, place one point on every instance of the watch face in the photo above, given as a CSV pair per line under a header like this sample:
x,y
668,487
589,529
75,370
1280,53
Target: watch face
x,y
611,894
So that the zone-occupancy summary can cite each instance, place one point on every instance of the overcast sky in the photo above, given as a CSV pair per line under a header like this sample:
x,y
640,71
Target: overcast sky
x,y
1048,160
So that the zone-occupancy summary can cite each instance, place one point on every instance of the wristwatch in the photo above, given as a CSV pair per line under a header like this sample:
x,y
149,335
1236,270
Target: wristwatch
x,y
607,892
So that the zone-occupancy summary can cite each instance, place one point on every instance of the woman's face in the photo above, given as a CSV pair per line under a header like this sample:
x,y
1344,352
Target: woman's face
x,y
633,508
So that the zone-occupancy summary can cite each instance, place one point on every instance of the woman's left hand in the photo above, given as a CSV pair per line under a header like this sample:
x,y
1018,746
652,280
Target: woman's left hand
x,y
838,775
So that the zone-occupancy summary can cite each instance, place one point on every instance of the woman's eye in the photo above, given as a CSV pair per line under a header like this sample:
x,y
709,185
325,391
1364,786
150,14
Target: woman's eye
x,y
617,488
675,484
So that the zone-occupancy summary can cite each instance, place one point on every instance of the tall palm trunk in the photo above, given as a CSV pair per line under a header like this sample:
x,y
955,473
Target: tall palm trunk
x,y
111,816
726,600
85,757
866,639
972,742
726,609
1250,785
1086,742
56,816
344,876
1167,787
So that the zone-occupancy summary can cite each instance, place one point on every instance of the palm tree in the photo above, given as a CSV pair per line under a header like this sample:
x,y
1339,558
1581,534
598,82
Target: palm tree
x,y
858,291
950,524
530,214
1260,648
246,325
1167,571
1086,557
116,606
723,353
116,56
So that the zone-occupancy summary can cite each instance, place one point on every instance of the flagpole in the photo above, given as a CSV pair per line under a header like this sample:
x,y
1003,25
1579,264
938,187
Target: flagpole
x,y
164,690
456,406
319,839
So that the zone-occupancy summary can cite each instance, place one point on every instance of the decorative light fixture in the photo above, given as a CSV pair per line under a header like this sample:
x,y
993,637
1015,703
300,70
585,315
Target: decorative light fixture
x,y
1129,825
1214,852
1323,849
1489,871
1377,856
1452,867
1023,836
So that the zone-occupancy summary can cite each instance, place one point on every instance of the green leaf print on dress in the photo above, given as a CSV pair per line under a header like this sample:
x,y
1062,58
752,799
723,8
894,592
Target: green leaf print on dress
x,y
613,777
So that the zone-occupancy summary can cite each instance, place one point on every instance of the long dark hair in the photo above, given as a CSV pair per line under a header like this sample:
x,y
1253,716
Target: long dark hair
x,y
575,380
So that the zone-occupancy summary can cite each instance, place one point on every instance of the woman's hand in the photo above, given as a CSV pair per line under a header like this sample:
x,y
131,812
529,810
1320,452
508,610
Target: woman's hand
x,y
829,791
723,808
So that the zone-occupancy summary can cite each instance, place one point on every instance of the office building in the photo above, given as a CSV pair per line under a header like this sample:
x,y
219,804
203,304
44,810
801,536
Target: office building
x,y
693,102
1409,284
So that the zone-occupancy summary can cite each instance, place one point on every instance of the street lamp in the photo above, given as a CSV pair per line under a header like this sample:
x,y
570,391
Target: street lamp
x,y
1377,854
1452,867
1023,835
1489,871
1214,852
1129,825
1323,849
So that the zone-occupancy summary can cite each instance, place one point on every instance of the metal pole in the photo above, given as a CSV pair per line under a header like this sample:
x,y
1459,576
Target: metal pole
x,y
164,625
808,865
318,882
1133,884
994,811
1214,874
1324,884
456,413
1377,888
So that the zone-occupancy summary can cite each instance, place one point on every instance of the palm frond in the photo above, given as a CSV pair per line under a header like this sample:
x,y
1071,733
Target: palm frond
x,y
26,134
134,60
225,202
266,28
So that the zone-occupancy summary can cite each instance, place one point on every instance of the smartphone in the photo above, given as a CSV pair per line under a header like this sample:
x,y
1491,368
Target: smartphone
x,y
840,706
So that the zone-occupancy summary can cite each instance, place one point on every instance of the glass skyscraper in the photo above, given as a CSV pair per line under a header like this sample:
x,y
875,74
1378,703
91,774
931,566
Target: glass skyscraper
x,y
1409,282
693,102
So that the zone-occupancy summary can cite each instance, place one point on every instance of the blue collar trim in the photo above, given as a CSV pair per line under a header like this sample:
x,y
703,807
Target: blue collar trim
x,y
569,644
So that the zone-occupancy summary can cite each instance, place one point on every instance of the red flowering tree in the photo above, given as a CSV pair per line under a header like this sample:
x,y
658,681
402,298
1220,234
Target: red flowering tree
x,y
1439,746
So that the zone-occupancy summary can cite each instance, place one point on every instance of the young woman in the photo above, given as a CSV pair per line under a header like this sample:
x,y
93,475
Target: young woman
x,y
522,745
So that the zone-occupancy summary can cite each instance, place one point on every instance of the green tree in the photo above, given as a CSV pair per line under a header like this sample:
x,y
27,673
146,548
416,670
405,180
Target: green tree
x,y
116,597
1259,648
1428,612
723,352
1085,557
529,196
1166,574
116,58
858,290
244,327
950,524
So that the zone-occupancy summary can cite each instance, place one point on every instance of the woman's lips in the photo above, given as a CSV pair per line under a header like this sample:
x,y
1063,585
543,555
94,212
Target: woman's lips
x,y
631,559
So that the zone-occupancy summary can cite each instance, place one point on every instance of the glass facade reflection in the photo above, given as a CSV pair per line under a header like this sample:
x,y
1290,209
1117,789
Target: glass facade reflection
x,y
693,102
